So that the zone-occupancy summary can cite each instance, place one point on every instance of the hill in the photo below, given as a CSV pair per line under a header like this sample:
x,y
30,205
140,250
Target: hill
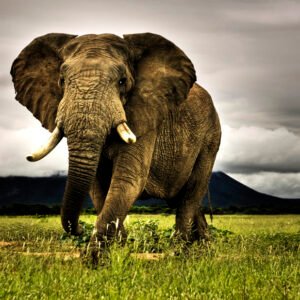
x,y
226,193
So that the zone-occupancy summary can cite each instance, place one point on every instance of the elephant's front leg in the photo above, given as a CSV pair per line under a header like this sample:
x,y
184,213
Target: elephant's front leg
x,y
130,171
100,185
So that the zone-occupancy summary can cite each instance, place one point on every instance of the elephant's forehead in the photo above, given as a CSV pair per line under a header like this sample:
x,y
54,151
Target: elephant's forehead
x,y
94,44
103,36
86,69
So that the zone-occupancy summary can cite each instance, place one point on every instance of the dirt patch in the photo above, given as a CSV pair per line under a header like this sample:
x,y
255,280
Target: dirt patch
x,y
64,255
20,248
148,256
74,255
7,244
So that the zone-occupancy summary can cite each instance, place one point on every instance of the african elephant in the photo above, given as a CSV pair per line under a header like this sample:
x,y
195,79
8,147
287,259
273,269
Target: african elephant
x,y
136,123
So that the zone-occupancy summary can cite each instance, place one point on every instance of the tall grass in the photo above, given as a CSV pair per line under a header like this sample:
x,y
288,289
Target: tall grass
x,y
249,257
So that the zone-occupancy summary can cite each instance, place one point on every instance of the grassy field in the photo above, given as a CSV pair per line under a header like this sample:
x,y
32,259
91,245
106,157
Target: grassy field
x,y
249,257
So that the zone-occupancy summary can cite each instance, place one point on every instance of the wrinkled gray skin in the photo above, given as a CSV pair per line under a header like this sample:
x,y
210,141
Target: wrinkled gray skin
x,y
86,86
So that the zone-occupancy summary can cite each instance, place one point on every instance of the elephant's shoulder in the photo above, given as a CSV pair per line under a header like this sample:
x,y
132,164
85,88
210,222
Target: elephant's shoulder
x,y
199,95
198,103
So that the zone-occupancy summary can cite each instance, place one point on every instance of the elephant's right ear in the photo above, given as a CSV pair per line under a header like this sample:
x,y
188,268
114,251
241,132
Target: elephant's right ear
x,y
35,74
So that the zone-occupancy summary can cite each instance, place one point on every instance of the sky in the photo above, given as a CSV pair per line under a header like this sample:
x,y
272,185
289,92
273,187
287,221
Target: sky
x,y
246,54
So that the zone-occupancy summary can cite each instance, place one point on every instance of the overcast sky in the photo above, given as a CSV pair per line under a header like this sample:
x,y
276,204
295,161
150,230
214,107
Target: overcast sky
x,y
246,54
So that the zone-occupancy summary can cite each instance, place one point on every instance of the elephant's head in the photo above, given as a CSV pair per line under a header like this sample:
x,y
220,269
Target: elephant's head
x,y
84,87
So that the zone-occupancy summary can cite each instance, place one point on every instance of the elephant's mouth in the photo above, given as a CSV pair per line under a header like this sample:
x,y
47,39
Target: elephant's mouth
x,y
123,130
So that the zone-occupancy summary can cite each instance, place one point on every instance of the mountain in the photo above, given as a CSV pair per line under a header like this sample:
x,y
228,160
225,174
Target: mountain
x,y
31,190
225,192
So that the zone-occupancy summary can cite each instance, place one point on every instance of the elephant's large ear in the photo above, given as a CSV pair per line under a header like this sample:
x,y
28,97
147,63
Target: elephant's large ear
x,y
163,78
35,74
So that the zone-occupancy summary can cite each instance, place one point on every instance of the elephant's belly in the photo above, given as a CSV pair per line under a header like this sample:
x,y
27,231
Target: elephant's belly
x,y
174,156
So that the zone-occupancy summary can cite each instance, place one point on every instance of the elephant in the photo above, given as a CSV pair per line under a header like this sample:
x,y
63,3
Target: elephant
x,y
136,122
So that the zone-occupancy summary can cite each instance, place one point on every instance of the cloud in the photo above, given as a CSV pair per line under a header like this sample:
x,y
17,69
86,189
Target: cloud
x,y
267,14
284,185
17,144
255,149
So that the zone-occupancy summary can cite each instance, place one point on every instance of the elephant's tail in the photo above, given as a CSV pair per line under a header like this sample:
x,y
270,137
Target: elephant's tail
x,y
210,206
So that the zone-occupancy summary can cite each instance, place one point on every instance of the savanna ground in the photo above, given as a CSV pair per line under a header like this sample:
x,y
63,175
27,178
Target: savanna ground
x,y
249,257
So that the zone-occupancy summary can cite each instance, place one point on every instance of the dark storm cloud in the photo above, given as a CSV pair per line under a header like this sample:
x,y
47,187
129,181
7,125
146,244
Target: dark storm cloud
x,y
253,65
246,54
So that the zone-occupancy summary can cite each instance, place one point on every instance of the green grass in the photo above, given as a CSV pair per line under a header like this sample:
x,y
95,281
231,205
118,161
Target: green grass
x,y
250,257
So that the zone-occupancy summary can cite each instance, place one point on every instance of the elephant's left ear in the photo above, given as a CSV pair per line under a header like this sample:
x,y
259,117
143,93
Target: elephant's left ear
x,y
164,76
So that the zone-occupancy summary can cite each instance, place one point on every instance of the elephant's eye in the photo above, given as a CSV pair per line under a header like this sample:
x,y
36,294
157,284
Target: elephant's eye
x,y
122,81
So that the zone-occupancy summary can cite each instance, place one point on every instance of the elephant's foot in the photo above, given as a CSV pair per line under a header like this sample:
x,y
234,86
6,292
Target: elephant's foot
x,y
110,233
192,229
95,254
79,230
200,228
190,233
98,249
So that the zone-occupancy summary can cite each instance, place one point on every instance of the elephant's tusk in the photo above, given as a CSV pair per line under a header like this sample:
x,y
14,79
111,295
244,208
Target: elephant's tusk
x,y
54,139
126,134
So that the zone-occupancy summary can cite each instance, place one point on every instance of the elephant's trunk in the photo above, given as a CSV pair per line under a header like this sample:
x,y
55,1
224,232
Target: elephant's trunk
x,y
86,123
83,163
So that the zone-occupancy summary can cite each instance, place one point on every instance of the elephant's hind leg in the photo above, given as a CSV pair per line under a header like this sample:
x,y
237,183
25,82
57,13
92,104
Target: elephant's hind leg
x,y
191,224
